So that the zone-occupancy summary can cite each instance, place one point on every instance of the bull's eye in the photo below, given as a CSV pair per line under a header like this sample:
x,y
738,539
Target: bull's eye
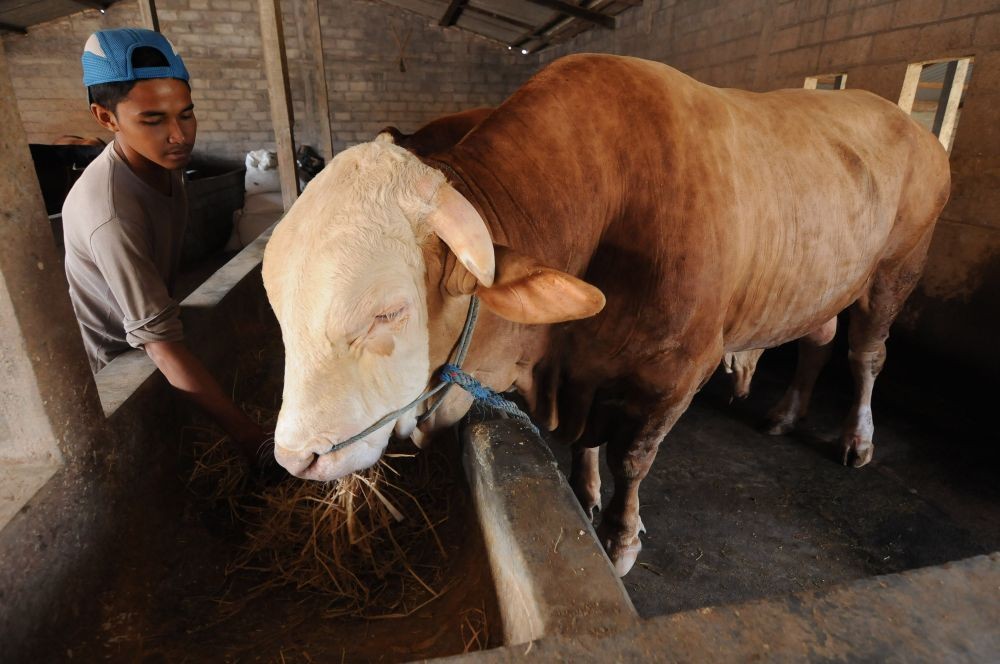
x,y
389,316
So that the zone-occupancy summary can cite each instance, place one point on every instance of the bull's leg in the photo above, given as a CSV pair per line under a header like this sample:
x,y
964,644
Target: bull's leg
x,y
859,427
585,478
630,458
814,351
871,316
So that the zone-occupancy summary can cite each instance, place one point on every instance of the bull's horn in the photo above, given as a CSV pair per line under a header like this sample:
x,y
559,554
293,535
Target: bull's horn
x,y
459,225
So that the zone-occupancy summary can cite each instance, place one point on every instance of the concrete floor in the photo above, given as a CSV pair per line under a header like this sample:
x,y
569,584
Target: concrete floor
x,y
734,514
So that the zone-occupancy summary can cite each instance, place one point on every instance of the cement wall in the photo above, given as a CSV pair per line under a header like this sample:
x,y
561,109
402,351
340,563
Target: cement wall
x,y
771,44
447,70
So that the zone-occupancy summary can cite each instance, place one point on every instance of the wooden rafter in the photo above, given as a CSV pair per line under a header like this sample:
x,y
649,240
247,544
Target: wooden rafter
x,y
597,18
148,16
93,4
536,33
451,14
14,28
500,17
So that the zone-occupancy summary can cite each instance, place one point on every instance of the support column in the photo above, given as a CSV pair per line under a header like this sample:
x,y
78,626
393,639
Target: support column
x,y
47,393
147,12
276,68
320,90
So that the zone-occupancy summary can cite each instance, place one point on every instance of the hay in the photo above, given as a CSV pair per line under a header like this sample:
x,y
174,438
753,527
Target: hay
x,y
368,543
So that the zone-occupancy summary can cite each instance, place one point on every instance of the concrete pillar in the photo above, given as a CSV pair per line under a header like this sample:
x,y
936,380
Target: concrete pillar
x,y
47,393
276,67
320,89
147,15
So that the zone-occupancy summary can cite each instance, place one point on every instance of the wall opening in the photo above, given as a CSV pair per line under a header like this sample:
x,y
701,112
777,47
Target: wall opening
x,y
826,82
933,93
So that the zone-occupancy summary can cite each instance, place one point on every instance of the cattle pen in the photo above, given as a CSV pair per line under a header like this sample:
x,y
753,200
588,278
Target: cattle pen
x,y
131,531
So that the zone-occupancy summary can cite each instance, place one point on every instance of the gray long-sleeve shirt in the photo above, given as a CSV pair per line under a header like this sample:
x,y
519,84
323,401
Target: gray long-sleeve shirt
x,y
123,244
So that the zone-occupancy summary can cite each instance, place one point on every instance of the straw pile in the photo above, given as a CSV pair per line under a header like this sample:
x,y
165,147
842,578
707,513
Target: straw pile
x,y
368,543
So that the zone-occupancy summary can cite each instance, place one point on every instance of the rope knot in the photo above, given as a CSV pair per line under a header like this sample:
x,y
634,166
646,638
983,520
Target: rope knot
x,y
453,374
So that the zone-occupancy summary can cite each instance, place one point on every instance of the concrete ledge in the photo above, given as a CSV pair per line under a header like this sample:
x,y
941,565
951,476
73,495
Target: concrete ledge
x,y
948,613
552,576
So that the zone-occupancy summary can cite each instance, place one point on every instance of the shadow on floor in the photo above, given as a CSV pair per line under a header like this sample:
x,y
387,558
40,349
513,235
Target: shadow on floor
x,y
734,514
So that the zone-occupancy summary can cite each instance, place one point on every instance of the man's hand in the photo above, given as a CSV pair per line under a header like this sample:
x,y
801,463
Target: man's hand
x,y
187,374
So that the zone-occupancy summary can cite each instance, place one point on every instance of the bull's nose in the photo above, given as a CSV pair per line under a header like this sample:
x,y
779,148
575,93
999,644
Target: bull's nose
x,y
297,459
319,444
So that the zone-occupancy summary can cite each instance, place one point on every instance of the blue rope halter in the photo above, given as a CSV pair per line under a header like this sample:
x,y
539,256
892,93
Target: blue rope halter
x,y
451,374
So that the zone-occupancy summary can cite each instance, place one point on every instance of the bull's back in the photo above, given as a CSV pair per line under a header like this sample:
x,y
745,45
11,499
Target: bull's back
x,y
769,212
756,214
829,185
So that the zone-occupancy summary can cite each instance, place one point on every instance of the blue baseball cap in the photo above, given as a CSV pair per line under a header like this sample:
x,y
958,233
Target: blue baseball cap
x,y
107,57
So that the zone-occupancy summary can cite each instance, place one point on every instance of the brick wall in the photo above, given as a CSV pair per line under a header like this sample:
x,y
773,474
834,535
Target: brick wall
x,y
752,44
447,70
769,44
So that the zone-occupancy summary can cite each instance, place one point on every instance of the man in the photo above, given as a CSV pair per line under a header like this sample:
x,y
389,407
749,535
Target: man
x,y
124,219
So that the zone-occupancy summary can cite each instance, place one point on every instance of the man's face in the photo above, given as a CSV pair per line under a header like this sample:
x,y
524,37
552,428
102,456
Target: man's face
x,y
155,121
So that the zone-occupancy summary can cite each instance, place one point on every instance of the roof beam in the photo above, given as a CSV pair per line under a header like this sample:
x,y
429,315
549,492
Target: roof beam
x,y
148,16
500,17
93,4
597,18
536,33
451,14
13,28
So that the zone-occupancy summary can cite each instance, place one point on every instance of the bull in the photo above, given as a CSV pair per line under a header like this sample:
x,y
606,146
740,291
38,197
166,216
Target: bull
x,y
625,227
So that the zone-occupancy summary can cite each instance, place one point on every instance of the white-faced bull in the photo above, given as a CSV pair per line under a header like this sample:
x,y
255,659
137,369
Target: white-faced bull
x,y
712,222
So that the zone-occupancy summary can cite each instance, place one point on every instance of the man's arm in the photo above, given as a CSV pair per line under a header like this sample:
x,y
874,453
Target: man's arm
x,y
187,374
152,321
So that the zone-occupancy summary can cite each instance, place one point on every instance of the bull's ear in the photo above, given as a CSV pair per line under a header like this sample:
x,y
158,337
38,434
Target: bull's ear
x,y
389,135
459,225
525,291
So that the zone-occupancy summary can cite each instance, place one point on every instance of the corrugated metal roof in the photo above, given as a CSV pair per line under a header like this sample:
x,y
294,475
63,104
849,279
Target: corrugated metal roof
x,y
527,25
19,15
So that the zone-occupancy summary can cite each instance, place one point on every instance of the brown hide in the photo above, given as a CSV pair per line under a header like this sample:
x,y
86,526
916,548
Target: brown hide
x,y
439,134
712,219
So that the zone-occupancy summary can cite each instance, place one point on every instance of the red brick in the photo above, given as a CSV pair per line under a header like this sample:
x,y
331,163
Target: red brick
x,y
987,30
871,19
800,61
957,8
947,36
812,32
845,53
785,40
836,27
895,45
911,12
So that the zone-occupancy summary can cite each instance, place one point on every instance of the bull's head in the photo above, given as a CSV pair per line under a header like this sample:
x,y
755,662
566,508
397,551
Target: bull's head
x,y
369,275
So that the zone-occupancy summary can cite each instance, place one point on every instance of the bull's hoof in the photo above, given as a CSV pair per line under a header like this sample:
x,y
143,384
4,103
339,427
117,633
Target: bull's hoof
x,y
857,452
779,427
781,419
622,551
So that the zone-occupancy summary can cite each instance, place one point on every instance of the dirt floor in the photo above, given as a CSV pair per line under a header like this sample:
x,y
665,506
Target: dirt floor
x,y
734,514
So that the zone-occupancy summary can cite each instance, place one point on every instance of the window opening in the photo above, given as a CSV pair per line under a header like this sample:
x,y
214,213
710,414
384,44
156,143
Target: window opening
x,y
826,82
933,94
